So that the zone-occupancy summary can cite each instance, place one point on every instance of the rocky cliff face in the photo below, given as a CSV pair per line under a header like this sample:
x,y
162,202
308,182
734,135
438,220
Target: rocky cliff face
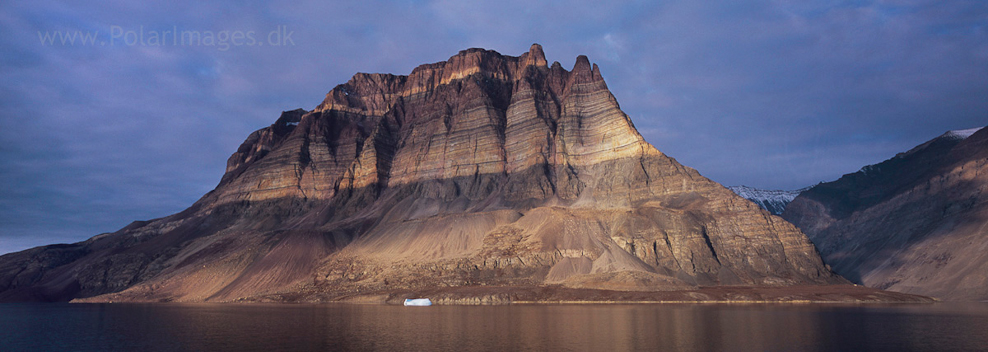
x,y
915,223
483,170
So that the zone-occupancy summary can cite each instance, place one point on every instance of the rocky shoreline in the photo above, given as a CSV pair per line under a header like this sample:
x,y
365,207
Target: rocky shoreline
x,y
503,295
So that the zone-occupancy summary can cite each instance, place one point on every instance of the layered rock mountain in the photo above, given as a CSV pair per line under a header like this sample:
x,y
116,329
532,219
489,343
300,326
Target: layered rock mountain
x,y
916,223
482,171
775,201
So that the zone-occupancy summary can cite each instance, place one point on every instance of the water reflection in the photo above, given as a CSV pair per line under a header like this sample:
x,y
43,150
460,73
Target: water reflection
x,y
553,327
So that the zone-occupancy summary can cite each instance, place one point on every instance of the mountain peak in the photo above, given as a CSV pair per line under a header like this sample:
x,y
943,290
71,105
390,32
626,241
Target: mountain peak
x,y
535,56
775,201
481,171
582,65
961,134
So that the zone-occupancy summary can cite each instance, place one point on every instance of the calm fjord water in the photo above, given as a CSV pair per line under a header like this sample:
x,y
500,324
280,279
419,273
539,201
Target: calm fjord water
x,y
680,327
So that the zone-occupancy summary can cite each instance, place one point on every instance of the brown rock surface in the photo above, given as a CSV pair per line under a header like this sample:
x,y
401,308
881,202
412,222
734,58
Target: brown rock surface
x,y
481,171
916,223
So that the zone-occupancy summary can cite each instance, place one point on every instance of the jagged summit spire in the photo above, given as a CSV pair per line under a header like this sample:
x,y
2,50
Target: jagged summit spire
x,y
536,56
582,64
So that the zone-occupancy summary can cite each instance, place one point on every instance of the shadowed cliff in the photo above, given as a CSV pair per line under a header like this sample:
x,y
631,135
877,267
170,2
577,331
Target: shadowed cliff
x,y
915,223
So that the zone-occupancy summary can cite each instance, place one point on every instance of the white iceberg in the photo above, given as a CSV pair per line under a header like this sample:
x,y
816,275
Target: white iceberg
x,y
417,302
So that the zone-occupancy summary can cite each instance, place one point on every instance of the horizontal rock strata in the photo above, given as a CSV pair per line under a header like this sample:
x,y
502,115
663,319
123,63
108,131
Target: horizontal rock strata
x,y
483,170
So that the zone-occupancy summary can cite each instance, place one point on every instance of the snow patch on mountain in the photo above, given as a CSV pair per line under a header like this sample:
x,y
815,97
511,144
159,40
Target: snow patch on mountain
x,y
775,201
961,134
955,135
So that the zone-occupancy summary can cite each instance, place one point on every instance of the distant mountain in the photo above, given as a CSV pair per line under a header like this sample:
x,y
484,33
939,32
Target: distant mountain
x,y
484,172
916,223
774,201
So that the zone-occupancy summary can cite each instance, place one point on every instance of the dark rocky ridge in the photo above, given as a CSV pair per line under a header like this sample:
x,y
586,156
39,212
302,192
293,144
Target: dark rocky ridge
x,y
914,223
484,170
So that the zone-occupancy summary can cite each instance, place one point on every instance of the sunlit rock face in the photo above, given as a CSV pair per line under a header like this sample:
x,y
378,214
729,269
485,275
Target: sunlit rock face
x,y
483,170
916,223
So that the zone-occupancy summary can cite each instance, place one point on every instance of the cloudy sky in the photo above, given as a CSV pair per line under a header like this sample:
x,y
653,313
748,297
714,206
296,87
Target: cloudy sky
x,y
772,94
